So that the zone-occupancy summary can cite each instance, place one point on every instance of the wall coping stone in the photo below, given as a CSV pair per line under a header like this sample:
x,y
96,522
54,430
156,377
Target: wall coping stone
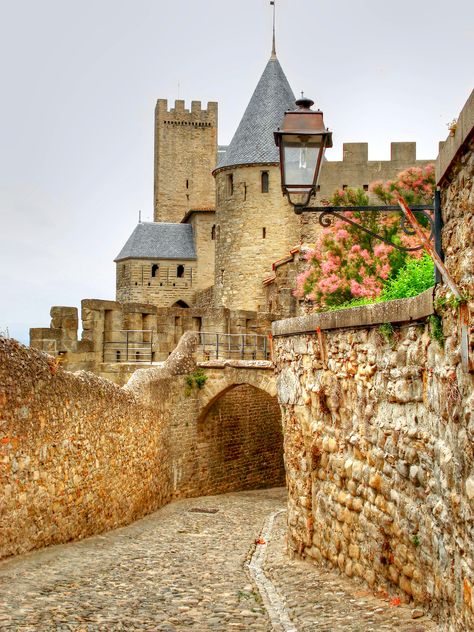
x,y
452,145
236,364
400,310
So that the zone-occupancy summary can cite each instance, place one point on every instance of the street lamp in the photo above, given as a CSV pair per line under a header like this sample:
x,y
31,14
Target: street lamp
x,y
301,140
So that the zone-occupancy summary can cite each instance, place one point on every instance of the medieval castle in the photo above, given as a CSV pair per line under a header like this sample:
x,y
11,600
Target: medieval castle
x,y
223,250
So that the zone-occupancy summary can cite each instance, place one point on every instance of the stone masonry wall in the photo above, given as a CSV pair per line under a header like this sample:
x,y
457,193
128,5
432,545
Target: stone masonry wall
x,y
185,155
380,464
253,229
135,283
78,455
240,442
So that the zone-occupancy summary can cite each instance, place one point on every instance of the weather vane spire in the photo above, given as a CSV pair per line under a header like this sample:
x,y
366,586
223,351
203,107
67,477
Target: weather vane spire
x,y
272,3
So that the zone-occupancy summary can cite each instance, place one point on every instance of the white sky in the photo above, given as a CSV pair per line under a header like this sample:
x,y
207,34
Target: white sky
x,y
79,82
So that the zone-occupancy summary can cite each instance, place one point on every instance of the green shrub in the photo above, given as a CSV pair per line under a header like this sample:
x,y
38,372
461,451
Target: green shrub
x,y
416,276
198,378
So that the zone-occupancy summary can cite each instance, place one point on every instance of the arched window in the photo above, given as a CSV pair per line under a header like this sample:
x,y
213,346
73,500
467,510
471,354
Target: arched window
x,y
180,271
154,270
265,181
213,232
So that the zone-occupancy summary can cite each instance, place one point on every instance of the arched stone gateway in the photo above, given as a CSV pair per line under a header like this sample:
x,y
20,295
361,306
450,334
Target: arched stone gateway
x,y
240,441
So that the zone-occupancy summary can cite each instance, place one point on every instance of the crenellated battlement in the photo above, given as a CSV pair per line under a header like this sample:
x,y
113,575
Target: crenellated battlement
x,y
180,115
359,153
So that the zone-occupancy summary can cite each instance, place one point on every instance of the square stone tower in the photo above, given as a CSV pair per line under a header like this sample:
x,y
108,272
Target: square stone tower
x,y
185,156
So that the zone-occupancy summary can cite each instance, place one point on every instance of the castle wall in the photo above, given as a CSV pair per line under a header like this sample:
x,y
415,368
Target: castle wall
x,y
79,455
239,443
204,230
356,170
185,155
253,228
153,333
135,283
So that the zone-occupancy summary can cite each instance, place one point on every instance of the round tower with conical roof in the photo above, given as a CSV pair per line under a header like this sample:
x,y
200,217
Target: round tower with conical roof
x,y
255,225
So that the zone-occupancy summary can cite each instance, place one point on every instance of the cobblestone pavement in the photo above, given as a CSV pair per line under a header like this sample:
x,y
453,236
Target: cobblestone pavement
x,y
184,567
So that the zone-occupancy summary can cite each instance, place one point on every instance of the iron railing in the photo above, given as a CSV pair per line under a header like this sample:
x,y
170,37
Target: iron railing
x,y
128,345
215,346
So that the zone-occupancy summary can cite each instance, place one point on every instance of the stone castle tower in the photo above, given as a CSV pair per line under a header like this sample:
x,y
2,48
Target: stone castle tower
x,y
185,155
255,224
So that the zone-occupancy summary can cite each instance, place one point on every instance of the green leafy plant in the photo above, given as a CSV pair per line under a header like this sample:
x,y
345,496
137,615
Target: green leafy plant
x,y
436,329
416,540
449,302
416,276
197,378
387,331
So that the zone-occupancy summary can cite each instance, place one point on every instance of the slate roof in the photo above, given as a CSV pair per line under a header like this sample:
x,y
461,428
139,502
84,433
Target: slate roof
x,y
253,141
159,240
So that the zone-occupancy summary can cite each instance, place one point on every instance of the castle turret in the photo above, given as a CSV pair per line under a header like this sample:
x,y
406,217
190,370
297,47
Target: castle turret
x,y
254,223
185,155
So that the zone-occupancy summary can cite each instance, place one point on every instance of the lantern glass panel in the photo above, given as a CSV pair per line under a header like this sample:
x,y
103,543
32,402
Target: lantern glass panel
x,y
300,158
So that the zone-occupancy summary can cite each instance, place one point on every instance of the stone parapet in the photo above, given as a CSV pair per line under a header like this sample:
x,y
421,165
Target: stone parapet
x,y
398,311
450,148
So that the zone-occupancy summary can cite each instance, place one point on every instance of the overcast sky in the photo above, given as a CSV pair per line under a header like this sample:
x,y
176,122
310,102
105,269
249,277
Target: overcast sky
x,y
79,82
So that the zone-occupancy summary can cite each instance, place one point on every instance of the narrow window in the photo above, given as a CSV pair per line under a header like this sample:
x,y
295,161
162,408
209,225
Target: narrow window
x,y
344,187
154,270
180,272
230,185
366,187
265,181
187,184
213,232
264,233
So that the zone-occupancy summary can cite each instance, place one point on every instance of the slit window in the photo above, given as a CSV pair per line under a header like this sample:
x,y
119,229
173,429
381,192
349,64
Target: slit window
x,y
180,271
230,185
213,232
187,184
264,233
154,270
265,182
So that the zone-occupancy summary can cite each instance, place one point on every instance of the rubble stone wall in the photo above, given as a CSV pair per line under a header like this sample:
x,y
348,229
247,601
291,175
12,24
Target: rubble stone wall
x,y
80,455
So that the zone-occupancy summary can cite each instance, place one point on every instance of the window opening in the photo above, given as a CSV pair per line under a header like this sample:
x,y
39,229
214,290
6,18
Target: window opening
x,y
366,187
213,232
230,184
154,270
265,181
180,272
264,233
187,184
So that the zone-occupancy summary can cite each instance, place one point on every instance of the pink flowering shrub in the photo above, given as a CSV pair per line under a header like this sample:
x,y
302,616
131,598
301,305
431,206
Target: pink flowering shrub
x,y
347,263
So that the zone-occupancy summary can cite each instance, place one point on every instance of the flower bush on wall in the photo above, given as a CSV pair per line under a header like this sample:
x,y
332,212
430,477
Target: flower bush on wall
x,y
348,264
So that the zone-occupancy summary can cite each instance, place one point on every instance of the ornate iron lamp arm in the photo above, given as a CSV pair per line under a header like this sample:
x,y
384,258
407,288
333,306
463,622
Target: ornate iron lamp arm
x,y
328,213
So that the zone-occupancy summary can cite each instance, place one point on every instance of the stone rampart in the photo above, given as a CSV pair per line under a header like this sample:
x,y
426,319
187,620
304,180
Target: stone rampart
x,y
80,455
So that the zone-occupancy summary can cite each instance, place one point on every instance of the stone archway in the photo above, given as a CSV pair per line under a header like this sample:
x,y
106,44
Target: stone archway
x,y
240,441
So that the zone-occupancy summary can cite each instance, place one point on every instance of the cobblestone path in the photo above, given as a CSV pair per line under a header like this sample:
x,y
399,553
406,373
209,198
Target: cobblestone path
x,y
185,568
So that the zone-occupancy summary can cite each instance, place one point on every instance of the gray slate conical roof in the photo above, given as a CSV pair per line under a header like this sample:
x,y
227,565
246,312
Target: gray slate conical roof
x,y
253,141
